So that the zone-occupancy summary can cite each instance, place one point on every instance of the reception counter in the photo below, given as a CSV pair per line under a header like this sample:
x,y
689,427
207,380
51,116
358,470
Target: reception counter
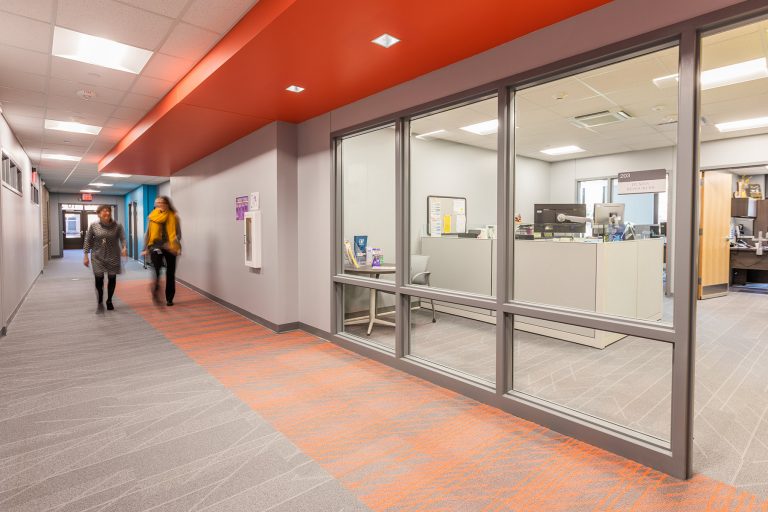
x,y
615,278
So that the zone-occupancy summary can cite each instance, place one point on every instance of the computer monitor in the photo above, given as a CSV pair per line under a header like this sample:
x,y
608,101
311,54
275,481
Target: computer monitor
x,y
545,219
606,214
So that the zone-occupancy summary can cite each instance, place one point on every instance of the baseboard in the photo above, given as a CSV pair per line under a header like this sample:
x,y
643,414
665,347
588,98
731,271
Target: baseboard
x,y
314,330
291,326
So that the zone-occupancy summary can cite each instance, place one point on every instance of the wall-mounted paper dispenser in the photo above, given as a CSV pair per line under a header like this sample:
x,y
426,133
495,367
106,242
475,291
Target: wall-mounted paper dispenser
x,y
252,239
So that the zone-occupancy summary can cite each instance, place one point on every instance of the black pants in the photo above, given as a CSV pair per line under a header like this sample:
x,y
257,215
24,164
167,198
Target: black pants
x,y
170,272
111,283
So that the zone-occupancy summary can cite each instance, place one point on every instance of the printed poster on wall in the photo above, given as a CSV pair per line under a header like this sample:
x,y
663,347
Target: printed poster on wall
x,y
241,206
643,182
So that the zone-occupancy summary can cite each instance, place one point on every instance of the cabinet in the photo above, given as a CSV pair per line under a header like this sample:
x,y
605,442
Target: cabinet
x,y
761,219
743,207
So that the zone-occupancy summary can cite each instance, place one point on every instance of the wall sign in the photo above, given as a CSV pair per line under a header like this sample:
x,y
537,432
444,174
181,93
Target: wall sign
x,y
241,206
643,182
86,197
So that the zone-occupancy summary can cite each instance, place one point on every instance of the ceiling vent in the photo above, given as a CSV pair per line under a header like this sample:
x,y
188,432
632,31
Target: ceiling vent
x,y
600,118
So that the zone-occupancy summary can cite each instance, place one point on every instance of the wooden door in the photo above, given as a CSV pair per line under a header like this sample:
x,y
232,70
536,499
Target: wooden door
x,y
714,244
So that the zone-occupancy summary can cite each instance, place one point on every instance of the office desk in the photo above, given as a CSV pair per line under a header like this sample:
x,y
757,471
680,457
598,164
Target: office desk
x,y
374,272
747,266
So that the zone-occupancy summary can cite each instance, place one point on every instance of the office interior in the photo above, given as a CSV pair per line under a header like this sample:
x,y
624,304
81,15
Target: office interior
x,y
523,279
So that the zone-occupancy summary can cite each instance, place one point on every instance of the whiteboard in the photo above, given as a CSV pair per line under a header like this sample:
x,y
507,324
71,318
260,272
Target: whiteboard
x,y
446,215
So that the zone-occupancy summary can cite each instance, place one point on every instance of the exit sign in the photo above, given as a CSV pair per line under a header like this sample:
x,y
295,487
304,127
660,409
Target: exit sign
x,y
86,197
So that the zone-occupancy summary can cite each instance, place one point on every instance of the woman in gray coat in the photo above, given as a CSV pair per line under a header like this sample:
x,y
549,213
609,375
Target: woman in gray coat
x,y
105,241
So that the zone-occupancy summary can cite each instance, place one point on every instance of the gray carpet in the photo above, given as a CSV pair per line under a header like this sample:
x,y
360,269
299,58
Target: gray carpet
x,y
99,412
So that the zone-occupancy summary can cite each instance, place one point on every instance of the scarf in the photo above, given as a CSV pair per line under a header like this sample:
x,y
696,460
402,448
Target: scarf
x,y
163,222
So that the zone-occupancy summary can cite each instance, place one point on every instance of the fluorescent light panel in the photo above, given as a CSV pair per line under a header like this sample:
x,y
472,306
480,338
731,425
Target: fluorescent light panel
x,y
744,124
67,158
69,44
562,150
484,128
89,191
429,134
294,88
726,75
67,126
116,175
386,40
100,184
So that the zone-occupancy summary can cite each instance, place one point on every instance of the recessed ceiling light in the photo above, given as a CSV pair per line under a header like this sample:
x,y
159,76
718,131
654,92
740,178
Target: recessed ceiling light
x,y
386,40
744,124
429,134
90,191
67,126
100,184
81,47
562,150
726,75
294,88
484,128
67,158
116,175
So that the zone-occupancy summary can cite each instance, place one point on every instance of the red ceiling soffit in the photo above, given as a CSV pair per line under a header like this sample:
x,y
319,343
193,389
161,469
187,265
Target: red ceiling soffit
x,y
322,46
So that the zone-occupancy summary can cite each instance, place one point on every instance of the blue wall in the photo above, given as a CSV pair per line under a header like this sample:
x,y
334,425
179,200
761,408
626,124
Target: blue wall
x,y
145,197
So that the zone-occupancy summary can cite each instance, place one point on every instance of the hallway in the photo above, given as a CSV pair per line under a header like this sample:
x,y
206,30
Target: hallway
x,y
197,408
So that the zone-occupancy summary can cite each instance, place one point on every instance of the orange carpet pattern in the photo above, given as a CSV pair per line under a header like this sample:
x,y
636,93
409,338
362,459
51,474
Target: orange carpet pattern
x,y
402,443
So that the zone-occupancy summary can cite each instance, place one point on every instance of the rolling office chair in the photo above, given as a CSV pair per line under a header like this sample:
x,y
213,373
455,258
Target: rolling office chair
x,y
420,275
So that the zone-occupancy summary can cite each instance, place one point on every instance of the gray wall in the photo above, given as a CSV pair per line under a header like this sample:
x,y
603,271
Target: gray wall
x,y
54,218
21,238
164,189
213,259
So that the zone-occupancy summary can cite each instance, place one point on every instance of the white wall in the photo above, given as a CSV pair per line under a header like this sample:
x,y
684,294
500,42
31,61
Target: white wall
x,y
204,194
610,23
21,239
164,189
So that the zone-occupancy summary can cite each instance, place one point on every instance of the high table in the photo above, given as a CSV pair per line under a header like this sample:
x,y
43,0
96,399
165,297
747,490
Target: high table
x,y
375,272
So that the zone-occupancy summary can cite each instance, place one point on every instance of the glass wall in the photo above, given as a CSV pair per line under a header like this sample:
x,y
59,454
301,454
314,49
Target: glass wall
x,y
453,173
369,315
592,154
455,337
628,384
368,192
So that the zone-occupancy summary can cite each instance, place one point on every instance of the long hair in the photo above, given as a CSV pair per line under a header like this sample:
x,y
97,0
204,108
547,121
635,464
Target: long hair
x,y
168,202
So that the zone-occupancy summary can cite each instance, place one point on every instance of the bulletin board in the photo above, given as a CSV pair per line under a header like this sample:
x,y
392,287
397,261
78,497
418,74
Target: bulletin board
x,y
446,215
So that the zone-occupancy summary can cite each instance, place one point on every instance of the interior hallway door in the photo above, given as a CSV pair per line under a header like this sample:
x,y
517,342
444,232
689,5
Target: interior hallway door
x,y
714,240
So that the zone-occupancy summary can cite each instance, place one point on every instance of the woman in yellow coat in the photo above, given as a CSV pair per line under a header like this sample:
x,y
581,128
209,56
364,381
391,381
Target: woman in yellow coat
x,y
162,244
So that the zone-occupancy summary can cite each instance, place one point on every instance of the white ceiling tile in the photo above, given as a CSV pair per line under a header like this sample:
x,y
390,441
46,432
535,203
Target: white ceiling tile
x,y
189,42
19,59
21,80
19,109
152,86
139,101
69,89
217,15
89,74
38,9
35,99
129,114
80,107
22,124
170,8
167,67
115,21
76,116
25,33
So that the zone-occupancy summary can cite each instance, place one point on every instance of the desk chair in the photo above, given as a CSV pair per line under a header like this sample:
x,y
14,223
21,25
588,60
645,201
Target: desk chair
x,y
420,275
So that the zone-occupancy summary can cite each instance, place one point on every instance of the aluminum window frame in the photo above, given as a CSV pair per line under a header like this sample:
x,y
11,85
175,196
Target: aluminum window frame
x,y
674,457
